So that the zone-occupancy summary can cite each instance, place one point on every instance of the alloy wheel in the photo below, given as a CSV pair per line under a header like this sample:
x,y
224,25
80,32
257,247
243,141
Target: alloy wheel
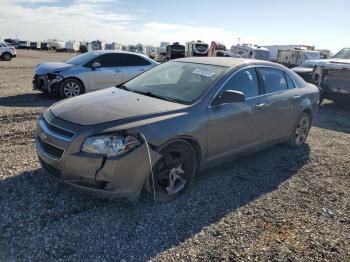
x,y
171,174
302,130
7,57
71,89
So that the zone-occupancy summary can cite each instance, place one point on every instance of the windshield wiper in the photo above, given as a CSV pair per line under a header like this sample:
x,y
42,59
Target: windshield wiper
x,y
148,93
123,87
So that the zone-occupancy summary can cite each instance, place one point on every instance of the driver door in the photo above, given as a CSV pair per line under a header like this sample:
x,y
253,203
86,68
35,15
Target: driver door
x,y
236,127
108,73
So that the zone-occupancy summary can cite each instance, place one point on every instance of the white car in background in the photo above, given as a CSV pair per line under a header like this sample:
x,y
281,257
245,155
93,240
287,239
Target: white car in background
x,y
7,51
89,72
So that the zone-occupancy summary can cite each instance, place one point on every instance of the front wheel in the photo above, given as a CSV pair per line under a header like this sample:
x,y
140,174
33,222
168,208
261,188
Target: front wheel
x,y
174,172
300,131
71,87
6,56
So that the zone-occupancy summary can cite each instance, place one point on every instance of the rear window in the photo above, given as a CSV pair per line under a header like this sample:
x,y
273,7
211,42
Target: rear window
x,y
134,60
273,79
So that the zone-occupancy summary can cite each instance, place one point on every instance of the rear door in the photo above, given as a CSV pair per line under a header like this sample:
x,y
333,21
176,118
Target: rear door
x,y
281,100
234,128
108,74
133,65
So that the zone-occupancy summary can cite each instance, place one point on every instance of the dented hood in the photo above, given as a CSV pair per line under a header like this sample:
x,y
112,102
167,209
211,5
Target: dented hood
x,y
109,105
46,68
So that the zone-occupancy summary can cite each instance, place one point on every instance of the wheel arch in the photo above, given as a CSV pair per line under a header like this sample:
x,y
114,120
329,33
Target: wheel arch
x,y
308,111
189,140
77,79
6,52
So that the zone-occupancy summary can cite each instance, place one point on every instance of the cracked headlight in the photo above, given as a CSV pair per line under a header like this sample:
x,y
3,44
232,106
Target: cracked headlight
x,y
110,145
54,77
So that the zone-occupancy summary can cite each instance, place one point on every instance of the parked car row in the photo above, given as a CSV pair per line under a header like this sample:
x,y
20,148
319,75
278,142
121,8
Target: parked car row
x,y
332,76
90,71
7,52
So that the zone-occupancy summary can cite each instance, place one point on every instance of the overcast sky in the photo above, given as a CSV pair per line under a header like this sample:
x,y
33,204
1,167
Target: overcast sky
x,y
325,24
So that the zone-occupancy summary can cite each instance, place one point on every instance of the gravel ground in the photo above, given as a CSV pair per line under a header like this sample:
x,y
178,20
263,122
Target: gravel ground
x,y
279,204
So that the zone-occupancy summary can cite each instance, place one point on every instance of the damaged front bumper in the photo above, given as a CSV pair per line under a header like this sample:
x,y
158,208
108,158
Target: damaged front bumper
x,y
48,83
107,177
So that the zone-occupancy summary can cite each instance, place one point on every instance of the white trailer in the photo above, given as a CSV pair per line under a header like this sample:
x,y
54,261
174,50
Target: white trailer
x,y
196,48
273,49
72,46
35,45
140,48
24,45
292,58
96,45
162,48
251,51
56,44
113,46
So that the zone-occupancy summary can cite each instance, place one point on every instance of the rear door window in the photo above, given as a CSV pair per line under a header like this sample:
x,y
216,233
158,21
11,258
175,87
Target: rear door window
x,y
107,60
110,60
134,60
290,82
244,81
273,79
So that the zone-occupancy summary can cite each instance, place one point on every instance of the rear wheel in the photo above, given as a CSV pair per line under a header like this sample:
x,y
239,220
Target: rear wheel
x,y
174,172
6,56
71,87
300,131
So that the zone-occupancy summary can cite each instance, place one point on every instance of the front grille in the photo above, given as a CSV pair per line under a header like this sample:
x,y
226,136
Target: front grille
x,y
50,169
38,82
59,131
50,149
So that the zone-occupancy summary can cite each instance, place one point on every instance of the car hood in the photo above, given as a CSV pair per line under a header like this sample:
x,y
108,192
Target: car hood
x,y
302,69
110,104
46,68
330,61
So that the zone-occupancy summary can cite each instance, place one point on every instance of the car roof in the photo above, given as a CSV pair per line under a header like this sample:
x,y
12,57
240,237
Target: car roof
x,y
121,52
226,61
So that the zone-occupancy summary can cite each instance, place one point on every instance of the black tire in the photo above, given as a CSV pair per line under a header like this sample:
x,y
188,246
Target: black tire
x,y
6,56
71,87
300,131
174,172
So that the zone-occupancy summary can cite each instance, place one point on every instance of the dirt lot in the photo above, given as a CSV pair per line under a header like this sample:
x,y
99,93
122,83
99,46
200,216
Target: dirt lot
x,y
279,204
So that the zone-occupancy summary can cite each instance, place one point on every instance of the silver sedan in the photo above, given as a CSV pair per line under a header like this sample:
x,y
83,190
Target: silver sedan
x,y
89,72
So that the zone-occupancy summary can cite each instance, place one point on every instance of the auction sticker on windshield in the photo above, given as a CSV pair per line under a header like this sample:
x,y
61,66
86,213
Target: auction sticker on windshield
x,y
203,72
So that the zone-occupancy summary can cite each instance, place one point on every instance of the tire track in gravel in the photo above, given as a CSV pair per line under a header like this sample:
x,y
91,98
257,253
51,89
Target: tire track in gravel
x,y
16,138
19,118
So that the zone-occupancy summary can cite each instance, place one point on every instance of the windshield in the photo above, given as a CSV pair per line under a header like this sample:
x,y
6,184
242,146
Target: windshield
x,y
343,54
82,59
176,81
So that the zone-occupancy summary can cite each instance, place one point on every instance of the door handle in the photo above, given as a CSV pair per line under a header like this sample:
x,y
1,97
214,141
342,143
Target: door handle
x,y
260,106
295,98
143,69
117,71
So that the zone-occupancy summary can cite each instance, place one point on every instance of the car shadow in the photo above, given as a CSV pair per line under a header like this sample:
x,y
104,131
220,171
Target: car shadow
x,y
334,116
65,224
28,100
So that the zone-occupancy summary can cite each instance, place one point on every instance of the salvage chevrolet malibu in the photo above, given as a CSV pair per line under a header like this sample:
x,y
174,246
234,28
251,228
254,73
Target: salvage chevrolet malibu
x,y
160,129
89,72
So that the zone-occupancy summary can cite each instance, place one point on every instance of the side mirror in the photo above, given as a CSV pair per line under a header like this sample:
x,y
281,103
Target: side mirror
x,y
95,65
229,97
